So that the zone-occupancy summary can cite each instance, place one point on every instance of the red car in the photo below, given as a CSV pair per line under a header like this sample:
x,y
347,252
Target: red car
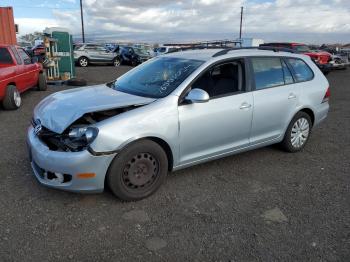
x,y
321,58
17,74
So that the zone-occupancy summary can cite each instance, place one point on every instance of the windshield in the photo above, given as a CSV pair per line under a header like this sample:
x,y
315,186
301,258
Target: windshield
x,y
302,48
157,78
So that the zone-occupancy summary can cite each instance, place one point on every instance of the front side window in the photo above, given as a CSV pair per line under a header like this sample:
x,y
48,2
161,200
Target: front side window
x,y
18,59
25,57
223,79
157,78
268,72
5,56
301,70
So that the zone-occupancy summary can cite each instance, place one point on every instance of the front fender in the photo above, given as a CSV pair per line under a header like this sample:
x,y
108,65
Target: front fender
x,y
157,120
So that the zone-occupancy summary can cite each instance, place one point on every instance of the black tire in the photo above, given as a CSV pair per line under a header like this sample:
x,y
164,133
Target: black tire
x,y
76,82
10,102
138,171
83,61
134,63
117,62
42,83
287,140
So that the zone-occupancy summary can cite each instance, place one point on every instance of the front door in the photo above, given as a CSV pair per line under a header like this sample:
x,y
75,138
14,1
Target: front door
x,y
222,124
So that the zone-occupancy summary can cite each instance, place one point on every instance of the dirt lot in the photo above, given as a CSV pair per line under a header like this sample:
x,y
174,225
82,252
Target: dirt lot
x,y
264,205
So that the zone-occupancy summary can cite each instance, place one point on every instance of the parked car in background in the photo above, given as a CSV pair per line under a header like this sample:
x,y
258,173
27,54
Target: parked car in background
x,y
164,50
132,55
18,73
146,49
178,110
86,54
321,58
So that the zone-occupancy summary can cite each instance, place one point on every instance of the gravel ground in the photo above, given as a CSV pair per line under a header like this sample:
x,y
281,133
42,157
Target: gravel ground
x,y
263,205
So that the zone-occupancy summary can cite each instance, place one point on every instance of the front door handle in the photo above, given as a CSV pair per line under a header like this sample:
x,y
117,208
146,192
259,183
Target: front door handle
x,y
292,96
245,106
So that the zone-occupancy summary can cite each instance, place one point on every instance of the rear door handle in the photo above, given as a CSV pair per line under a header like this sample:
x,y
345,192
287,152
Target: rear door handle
x,y
292,96
245,106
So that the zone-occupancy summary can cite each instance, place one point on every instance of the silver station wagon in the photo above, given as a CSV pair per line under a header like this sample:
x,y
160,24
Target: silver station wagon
x,y
174,111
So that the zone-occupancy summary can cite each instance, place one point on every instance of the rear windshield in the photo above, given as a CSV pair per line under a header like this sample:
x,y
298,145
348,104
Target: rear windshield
x,y
5,56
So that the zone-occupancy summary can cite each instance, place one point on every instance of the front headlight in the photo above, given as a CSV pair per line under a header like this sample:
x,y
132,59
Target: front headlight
x,y
83,134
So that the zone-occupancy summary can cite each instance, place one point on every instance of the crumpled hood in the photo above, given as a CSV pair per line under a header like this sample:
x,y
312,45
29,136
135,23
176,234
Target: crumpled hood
x,y
57,111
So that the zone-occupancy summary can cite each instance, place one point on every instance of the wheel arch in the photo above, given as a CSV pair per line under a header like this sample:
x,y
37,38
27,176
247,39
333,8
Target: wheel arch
x,y
310,112
166,148
161,142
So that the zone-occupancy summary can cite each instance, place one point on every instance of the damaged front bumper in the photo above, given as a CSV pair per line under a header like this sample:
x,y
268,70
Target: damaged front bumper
x,y
62,170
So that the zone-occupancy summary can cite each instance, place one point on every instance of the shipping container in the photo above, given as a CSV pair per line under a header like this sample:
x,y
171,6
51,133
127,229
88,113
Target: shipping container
x,y
7,26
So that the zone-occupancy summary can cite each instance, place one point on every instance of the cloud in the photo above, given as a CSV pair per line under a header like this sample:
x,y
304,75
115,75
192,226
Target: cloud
x,y
156,20
30,25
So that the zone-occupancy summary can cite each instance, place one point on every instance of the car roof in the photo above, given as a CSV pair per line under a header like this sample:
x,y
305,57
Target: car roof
x,y
208,54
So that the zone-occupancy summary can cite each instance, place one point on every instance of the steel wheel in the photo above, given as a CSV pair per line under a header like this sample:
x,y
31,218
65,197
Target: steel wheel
x,y
300,132
17,98
140,172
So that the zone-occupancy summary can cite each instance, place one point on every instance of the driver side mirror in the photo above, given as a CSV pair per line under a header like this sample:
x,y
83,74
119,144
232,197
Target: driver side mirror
x,y
197,96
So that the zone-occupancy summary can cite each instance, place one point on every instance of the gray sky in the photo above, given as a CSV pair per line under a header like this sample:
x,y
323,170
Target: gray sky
x,y
316,21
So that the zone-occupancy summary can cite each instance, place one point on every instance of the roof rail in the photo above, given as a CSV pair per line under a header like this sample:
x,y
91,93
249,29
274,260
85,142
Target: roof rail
x,y
195,48
274,49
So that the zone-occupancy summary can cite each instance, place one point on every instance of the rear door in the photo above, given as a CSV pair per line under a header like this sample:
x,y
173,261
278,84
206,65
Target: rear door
x,y
103,55
275,98
29,72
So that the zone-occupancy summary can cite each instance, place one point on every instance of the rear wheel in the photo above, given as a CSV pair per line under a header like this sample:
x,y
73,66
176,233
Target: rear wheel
x,y
298,133
83,61
42,84
12,98
138,171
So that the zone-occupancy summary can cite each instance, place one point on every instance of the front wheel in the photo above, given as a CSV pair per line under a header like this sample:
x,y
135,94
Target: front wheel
x,y
138,171
298,133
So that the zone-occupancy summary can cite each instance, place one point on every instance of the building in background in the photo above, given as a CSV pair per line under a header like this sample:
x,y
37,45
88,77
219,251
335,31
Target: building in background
x,y
7,26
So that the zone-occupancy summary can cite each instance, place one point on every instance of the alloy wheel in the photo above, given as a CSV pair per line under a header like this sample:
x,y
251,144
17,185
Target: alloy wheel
x,y
300,132
116,62
17,98
83,62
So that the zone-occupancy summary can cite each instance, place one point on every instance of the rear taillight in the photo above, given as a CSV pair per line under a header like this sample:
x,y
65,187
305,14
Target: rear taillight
x,y
326,96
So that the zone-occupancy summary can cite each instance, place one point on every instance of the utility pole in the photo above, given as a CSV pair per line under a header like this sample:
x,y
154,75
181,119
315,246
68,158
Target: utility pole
x,y
82,20
240,26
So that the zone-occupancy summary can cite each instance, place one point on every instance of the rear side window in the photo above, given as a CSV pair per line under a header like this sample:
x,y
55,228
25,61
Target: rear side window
x,y
288,78
5,56
301,70
268,72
